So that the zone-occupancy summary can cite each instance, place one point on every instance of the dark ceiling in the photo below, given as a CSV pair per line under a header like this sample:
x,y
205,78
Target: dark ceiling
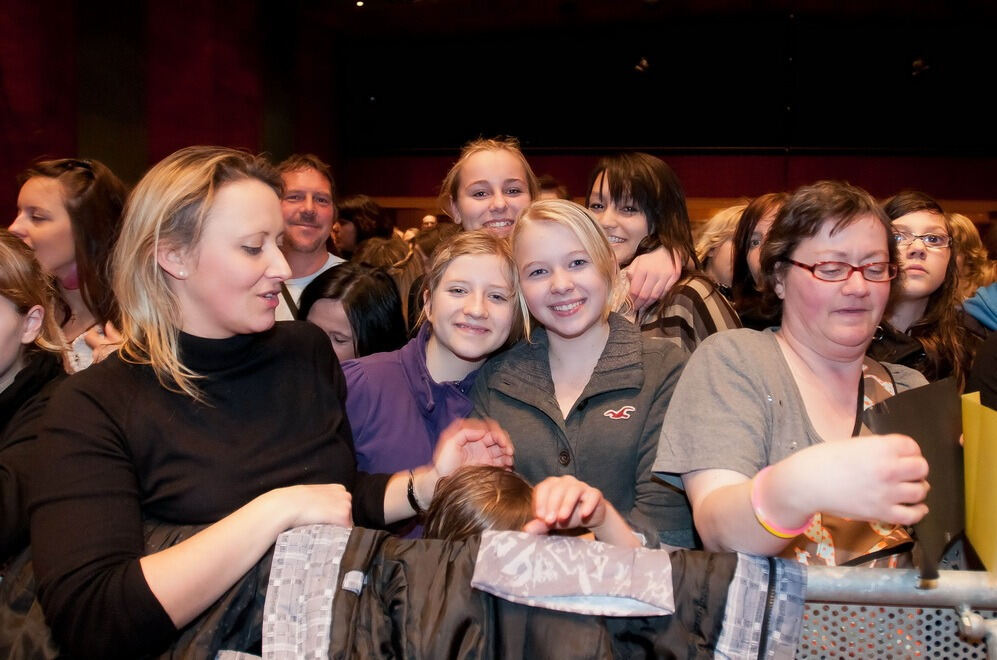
x,y
870,77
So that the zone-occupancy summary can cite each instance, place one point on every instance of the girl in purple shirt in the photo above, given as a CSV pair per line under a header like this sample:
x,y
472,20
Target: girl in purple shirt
x,y
399,402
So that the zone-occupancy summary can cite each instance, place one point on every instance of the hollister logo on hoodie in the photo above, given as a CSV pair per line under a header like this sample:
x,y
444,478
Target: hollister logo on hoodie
x,y
622,413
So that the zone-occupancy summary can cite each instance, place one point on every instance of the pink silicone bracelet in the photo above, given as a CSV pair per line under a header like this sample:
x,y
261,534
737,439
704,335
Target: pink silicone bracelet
x,y
763,520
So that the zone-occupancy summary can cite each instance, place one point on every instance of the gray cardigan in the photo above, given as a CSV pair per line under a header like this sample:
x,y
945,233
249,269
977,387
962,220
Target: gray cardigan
x,y
610,437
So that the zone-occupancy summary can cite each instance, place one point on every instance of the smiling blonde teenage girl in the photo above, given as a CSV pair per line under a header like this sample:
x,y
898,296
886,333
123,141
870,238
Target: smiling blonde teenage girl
x,y
585,394
398,403
488,186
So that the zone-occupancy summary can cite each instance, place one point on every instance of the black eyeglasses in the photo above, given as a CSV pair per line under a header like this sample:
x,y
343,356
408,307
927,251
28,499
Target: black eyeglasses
x,y
932,241
839,271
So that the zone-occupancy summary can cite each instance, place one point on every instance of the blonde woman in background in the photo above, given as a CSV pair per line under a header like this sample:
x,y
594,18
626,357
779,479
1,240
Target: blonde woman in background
x,y
975,268
715,247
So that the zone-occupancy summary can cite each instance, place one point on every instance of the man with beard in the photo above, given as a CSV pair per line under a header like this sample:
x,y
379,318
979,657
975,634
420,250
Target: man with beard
x,y
309,210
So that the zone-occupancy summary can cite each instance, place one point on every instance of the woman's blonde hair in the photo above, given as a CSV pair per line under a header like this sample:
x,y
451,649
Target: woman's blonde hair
x,y
586,228
476,498
977,269
716,230
451,182
169,206
472,243
25,284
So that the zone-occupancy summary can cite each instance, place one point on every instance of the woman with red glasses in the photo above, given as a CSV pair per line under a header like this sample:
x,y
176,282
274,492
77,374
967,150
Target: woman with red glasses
x,y
774,464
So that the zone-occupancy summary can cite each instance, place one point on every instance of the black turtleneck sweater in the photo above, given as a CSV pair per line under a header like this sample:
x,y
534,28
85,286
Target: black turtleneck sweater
x,y
120,448
21,406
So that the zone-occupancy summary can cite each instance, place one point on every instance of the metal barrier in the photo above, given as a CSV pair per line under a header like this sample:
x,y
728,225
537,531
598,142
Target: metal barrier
x,y
884,613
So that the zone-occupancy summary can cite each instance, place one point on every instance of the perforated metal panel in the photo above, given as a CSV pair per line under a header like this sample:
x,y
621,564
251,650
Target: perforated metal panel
x,y
872,631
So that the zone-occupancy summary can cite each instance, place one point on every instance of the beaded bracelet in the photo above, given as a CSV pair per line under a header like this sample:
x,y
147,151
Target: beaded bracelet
x,y
771,527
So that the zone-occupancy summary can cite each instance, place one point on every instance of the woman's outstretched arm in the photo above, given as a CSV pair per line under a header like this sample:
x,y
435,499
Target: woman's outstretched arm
x,y
878,478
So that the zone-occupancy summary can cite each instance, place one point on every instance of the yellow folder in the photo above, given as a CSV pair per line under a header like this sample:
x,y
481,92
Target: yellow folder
x,y
979,431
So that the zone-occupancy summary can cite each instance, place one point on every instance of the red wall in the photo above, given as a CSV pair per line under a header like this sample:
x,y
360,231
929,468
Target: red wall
x,y
37,88
204,81
709,175
211,73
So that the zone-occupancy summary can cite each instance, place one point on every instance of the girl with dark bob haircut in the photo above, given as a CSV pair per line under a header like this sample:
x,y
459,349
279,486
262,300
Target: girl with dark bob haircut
x,y
640,205
652,187
370,300
358,218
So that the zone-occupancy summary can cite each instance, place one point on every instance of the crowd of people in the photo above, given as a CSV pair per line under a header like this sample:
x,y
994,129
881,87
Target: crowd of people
x,y
231,350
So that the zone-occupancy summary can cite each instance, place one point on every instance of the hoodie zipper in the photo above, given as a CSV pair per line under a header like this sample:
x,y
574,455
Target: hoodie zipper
x,y
763,643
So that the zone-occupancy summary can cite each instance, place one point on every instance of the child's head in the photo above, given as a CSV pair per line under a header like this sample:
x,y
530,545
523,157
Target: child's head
x,y
636,195
469,295
489,185
563,257
476,498
929,280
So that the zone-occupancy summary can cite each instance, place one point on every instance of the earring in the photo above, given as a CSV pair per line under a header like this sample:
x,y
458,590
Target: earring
x,y
182,274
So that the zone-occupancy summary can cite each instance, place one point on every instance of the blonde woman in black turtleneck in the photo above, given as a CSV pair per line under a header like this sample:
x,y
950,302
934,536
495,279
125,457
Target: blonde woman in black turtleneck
x,y
210,417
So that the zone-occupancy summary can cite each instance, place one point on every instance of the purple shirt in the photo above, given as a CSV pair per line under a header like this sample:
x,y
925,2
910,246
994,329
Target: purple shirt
x,y
397,410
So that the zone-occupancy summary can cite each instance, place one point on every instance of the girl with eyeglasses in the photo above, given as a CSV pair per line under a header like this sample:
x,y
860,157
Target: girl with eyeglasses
x,y
924,327
764,431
